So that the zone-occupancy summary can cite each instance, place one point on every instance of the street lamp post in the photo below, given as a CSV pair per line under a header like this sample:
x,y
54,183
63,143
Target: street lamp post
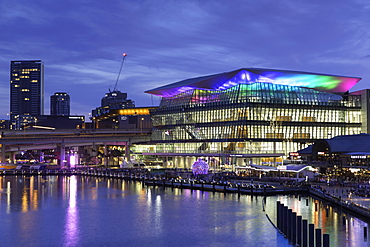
x,y
141,126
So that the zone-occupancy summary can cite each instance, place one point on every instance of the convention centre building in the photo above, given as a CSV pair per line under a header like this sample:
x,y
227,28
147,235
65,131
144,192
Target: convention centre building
x,y
253,115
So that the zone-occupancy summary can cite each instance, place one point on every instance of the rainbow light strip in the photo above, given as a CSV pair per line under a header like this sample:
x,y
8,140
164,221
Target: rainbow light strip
x,y
223,81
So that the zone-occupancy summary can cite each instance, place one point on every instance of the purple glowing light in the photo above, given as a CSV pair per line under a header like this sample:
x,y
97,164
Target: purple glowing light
x,y
223,81
200,167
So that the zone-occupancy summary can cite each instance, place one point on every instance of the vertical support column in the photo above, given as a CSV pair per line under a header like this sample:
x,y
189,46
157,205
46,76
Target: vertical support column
x,y
106,158
3,153
127,151
62,157
94,151
77,155
12,157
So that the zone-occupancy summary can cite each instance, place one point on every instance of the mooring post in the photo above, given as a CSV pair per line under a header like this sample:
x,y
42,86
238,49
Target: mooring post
x,y
326,240
318,237
304,233
294,227
289,224
311,235
299,230
285,221
278,215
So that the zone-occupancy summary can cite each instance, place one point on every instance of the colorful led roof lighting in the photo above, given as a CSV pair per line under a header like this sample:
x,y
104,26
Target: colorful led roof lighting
x,y
223,81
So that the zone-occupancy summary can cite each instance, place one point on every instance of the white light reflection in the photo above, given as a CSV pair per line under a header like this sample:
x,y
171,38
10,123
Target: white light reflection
x,y
158,215
71,231
8,197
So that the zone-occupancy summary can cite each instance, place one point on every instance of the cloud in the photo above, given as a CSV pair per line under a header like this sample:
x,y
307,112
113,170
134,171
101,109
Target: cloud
x,y
81,42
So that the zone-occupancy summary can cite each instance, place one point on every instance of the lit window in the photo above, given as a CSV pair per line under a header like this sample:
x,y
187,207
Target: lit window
x,y
16,85
25,90
26,98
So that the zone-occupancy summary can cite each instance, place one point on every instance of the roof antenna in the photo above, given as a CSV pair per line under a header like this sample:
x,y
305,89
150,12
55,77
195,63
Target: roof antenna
x,y
124,55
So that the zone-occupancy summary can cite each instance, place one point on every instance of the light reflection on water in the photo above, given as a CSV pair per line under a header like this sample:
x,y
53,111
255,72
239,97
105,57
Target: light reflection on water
x,y
343,229
86,211
71,232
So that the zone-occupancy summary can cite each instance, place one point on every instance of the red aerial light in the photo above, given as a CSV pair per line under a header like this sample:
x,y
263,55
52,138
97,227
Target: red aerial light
x,y
124,54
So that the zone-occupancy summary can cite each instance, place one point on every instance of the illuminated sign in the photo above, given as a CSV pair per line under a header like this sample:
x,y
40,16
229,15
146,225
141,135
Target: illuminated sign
x,y
358,157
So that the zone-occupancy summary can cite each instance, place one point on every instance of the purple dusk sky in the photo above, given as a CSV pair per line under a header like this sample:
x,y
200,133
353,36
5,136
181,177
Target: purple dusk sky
x,y
81,42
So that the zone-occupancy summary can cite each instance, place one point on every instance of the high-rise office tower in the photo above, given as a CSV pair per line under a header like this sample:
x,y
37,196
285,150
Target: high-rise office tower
x,y
26,88
59,104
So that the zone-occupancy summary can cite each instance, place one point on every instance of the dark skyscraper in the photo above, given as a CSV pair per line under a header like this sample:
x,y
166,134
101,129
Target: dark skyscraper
x,y
26,88
59,104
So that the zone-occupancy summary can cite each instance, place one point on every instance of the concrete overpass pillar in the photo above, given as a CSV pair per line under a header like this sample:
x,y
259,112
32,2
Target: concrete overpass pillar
x,y
106,153
2,153
12,157
127,152
62,156
94,151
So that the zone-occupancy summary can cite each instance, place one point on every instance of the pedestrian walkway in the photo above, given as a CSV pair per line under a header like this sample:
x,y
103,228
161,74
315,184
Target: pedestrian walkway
x,y
345,194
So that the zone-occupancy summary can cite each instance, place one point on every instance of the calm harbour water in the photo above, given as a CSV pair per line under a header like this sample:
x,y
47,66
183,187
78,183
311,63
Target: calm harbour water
x,y
88,211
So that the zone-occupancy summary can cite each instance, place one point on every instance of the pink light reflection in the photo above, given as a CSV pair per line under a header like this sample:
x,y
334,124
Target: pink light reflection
x,y
71,232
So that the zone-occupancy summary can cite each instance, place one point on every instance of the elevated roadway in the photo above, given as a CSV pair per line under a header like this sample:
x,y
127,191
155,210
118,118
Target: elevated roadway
x,y
36,139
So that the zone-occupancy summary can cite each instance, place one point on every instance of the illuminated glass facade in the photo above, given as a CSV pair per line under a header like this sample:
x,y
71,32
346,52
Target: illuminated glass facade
x,y
26,88
243,114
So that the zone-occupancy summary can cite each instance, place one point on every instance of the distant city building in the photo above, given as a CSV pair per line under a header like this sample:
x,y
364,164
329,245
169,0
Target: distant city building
x,y
116,100
26,88
128,118
49,121
4,124
22,122
58,122
60,104
112,101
